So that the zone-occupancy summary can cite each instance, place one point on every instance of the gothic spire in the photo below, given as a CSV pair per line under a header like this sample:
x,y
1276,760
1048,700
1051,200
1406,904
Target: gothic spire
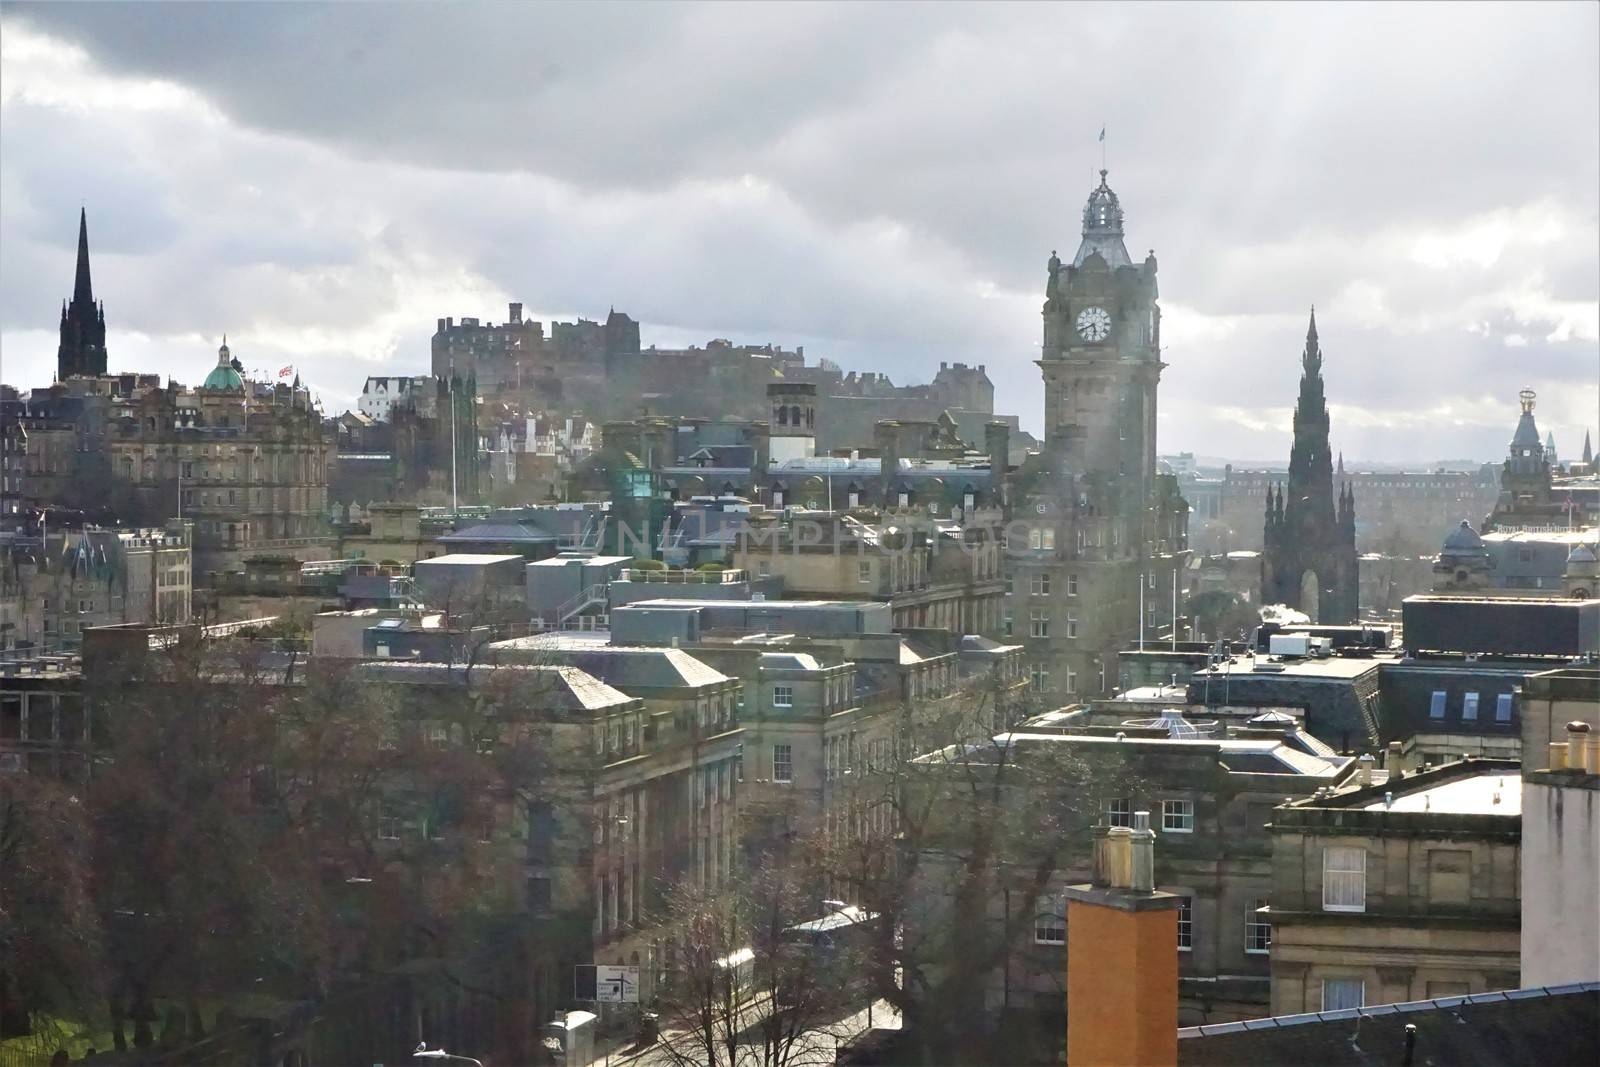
x,y
1311,360
81,287
83,322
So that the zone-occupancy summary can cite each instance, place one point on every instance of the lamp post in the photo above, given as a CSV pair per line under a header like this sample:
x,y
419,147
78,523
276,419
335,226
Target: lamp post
x,y
423,1052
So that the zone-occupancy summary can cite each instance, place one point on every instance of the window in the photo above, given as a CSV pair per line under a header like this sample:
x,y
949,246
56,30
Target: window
x,y
1502,708
1072,624
1344,879
1185,924
1048,538
1339,994
1436,708
1050,924
538,896
389,824
1119,812
1177,816
864,572
1469,707
1072,585
783,763
1039,623
1257,927
1038,679
1006,624
1072,681
783,696
1040,585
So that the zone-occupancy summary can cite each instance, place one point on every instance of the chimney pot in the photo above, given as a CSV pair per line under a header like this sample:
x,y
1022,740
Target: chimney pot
x,y
1577,745
1558,755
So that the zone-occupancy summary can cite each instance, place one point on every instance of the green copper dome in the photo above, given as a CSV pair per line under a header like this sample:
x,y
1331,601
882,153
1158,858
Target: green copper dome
x,y
224,376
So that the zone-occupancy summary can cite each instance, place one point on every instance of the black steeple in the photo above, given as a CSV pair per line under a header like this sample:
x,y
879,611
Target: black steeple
x,y
1310,560
82,290
83,322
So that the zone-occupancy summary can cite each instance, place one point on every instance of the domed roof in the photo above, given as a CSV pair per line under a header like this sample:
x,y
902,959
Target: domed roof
x,y
1463,539
225,376
1102,228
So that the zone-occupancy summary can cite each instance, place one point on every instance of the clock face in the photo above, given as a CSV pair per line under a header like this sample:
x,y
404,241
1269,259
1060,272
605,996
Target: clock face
x,y
1094,324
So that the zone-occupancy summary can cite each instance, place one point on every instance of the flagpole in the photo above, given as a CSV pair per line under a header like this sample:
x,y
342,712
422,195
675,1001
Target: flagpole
x,y
1102,145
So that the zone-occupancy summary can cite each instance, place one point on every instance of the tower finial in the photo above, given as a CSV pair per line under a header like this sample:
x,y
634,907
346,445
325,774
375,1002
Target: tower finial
x,y
1311,334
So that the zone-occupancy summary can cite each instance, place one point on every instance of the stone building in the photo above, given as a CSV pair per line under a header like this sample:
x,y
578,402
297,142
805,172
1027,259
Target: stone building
x,y
934,574
246,462
1209,791
1536,494
1561,845
66,580
1097,535
637,797
1309,557
379,395
1398,890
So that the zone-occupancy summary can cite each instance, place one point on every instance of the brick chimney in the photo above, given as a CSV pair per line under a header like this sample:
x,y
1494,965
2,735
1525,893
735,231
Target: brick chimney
x,y
1122,957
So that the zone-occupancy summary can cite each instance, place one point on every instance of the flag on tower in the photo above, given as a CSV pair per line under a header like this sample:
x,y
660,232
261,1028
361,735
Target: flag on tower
x,y
286,371
1102,133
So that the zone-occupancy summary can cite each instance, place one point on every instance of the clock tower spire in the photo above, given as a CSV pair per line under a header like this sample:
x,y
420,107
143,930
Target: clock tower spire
x,y
1106,534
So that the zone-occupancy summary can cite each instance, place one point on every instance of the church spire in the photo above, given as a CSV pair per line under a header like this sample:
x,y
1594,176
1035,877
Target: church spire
x,y
81,287
83,322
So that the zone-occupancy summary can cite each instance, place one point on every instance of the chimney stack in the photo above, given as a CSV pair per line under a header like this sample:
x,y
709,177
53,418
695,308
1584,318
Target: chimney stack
x,y
997,442
1122,956
887,434
1391,759
1364,770
1579,750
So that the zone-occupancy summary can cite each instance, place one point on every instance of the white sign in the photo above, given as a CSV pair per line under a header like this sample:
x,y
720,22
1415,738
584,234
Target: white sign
x,y
616,985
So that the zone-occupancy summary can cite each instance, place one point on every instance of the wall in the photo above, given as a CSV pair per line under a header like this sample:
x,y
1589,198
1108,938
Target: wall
x,y
1560,877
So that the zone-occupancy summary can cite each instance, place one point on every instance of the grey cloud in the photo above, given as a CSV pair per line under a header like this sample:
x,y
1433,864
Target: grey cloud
x,y
903,160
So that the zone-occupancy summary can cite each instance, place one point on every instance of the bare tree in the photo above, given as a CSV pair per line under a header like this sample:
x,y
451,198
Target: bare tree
x,y
764,974
49,933
957,850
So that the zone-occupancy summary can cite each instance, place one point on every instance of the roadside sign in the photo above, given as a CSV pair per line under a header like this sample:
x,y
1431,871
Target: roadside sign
x,y
605,985
616,985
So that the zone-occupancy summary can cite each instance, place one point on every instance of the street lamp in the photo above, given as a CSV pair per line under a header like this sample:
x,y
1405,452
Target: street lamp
x,y
423,1052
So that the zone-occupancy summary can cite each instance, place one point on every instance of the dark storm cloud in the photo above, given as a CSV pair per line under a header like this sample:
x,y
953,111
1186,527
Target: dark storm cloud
x,y
879,182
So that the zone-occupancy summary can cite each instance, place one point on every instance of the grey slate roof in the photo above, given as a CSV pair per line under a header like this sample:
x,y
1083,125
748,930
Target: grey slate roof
x,y
569,688
623,667
1557,1025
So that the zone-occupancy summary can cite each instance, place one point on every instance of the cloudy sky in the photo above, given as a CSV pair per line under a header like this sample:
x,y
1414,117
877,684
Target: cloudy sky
x,y
882,184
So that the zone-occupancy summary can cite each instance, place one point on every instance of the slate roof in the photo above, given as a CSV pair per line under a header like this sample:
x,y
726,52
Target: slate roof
x,y
503,532
622,667
572,688
1554,1025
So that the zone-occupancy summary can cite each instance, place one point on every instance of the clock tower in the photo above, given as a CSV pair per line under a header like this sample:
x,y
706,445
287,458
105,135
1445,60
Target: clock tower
x,y
1093,572
1102,351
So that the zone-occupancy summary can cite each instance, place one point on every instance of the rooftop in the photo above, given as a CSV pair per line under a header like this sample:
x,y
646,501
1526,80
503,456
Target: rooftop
x,y
467,559
1553,1025
1331,668
1490,793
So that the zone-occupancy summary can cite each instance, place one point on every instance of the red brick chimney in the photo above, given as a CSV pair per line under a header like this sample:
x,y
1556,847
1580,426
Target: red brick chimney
x,y
1122,957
